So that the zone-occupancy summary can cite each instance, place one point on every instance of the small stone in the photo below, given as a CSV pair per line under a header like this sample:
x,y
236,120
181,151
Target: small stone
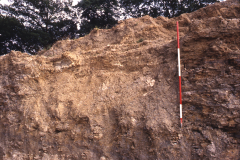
x,y
103,158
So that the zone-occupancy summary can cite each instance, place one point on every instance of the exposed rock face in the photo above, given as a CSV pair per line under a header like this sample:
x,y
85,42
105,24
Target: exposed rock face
x,y
113,94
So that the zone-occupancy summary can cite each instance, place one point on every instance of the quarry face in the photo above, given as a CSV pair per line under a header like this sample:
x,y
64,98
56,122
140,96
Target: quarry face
x,y
113,94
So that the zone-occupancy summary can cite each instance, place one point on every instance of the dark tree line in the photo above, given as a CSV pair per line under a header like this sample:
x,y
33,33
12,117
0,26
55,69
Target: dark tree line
x,y
32,25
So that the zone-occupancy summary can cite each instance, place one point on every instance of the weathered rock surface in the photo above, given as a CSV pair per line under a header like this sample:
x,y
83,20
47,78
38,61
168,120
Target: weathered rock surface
x,y
113,94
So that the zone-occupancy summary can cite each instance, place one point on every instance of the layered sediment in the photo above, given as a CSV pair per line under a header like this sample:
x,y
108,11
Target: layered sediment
x,y
113,94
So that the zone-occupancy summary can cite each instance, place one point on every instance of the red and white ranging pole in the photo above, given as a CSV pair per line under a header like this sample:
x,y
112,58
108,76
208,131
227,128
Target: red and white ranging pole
x,y
179,73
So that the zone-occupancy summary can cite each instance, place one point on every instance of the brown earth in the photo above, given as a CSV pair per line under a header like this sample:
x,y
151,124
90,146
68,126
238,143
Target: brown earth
x,y
113,94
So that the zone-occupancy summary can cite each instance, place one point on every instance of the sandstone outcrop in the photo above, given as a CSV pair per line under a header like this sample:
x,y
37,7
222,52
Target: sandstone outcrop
x,y
113,94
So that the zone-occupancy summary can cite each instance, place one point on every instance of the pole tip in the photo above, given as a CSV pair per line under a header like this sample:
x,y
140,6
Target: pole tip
x,y
181,122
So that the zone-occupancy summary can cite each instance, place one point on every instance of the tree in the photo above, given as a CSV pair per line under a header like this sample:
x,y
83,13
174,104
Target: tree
x,y
15,36
132,7
44,14
167,8
98,13
53,19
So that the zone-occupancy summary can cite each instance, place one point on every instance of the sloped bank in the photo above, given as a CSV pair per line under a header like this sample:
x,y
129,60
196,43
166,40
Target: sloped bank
x,y
113,94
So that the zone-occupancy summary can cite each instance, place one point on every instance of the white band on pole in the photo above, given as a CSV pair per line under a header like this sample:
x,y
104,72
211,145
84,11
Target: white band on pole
x,y
179,64
180,110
